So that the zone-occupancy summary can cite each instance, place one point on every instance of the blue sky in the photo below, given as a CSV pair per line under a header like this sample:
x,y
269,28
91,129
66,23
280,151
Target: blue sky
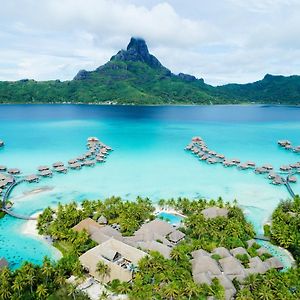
x,y
219,40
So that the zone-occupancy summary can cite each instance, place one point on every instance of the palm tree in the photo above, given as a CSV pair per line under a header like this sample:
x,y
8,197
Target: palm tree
x,y
47,268
191,289
102,269
42,291
18,284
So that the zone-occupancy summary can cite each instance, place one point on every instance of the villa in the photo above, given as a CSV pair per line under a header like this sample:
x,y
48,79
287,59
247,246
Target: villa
x,y
156,235
214,211
228,267
118,256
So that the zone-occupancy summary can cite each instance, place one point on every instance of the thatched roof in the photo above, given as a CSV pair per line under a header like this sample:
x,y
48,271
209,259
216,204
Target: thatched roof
x,y
200,252
156,246
222,251
205,264
274,262
156,226
102,220
251,242
239,250
262,250
225,282
88,224
256,266
212,212
32,178
231,266
201,278
113,249
176,236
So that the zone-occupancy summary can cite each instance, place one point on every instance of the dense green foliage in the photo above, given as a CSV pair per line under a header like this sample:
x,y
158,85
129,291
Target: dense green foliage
x,y
38,282
160,278
135,77
130,215
271,286
285,229
230,232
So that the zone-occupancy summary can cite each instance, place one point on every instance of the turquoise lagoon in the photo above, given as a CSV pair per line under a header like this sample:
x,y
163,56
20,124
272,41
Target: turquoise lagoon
x,y
148,158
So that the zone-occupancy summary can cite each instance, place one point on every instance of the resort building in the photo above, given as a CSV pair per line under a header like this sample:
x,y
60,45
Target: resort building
x,y
214,211
156,235
205,266
97,232
120,258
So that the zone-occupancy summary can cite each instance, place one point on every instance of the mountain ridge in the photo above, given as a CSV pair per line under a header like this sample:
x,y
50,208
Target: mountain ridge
x,y
135,76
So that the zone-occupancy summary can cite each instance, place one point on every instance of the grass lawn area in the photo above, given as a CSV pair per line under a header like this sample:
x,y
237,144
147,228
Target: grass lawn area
x,y
63,246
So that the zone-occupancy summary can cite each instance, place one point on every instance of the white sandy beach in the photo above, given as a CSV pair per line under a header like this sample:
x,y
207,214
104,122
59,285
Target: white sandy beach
x,y
30,228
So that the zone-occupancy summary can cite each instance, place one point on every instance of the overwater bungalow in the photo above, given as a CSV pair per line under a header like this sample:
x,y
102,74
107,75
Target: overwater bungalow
x,y
46,173
288,147
88,154
93,139
189,147
89,163
103,150
285,168
260,170
296,149
100,159
212,160
1,143
228,163
278,180
43,168
58,164
268,167
250,163
236,160
295,165
61,170
108,148
3,184
196,139
72,161
292,179
14,171
75,166
204,157
196,150
80,158
244,166
212,153
3,168
283,143
221,156
32,178
272,175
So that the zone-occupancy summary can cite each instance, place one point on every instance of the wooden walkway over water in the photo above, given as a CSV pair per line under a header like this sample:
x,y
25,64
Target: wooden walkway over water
x,y
5,199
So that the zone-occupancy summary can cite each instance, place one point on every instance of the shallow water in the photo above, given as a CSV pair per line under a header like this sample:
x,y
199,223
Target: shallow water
x,y
148,160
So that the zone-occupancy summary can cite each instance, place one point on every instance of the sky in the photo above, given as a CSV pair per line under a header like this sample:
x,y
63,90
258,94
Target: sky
x,y
220,41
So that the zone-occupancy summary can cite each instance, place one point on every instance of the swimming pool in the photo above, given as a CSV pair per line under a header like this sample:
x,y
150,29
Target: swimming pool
x,y
174,219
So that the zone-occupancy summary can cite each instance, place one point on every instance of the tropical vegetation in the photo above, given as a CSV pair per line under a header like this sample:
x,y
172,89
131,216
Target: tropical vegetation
x,y
136,77
47,281
285,229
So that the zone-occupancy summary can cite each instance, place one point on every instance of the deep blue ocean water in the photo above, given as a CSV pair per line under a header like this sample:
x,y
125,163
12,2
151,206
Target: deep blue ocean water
x,y
149,157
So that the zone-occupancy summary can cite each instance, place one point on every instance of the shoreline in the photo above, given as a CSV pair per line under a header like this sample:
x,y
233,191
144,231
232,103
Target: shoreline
x,y
155,105
29,228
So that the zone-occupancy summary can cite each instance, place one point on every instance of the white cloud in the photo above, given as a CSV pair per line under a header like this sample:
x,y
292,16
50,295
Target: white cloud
x,y
234,40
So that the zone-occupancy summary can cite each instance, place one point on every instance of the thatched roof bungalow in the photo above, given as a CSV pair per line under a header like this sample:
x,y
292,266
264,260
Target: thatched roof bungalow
x,y
118,256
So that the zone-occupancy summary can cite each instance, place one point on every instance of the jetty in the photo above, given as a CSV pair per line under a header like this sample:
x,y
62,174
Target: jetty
x,y
199,148
10,178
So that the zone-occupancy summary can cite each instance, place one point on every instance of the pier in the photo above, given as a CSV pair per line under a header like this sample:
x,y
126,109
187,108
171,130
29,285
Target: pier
x,y
199,148
97,152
